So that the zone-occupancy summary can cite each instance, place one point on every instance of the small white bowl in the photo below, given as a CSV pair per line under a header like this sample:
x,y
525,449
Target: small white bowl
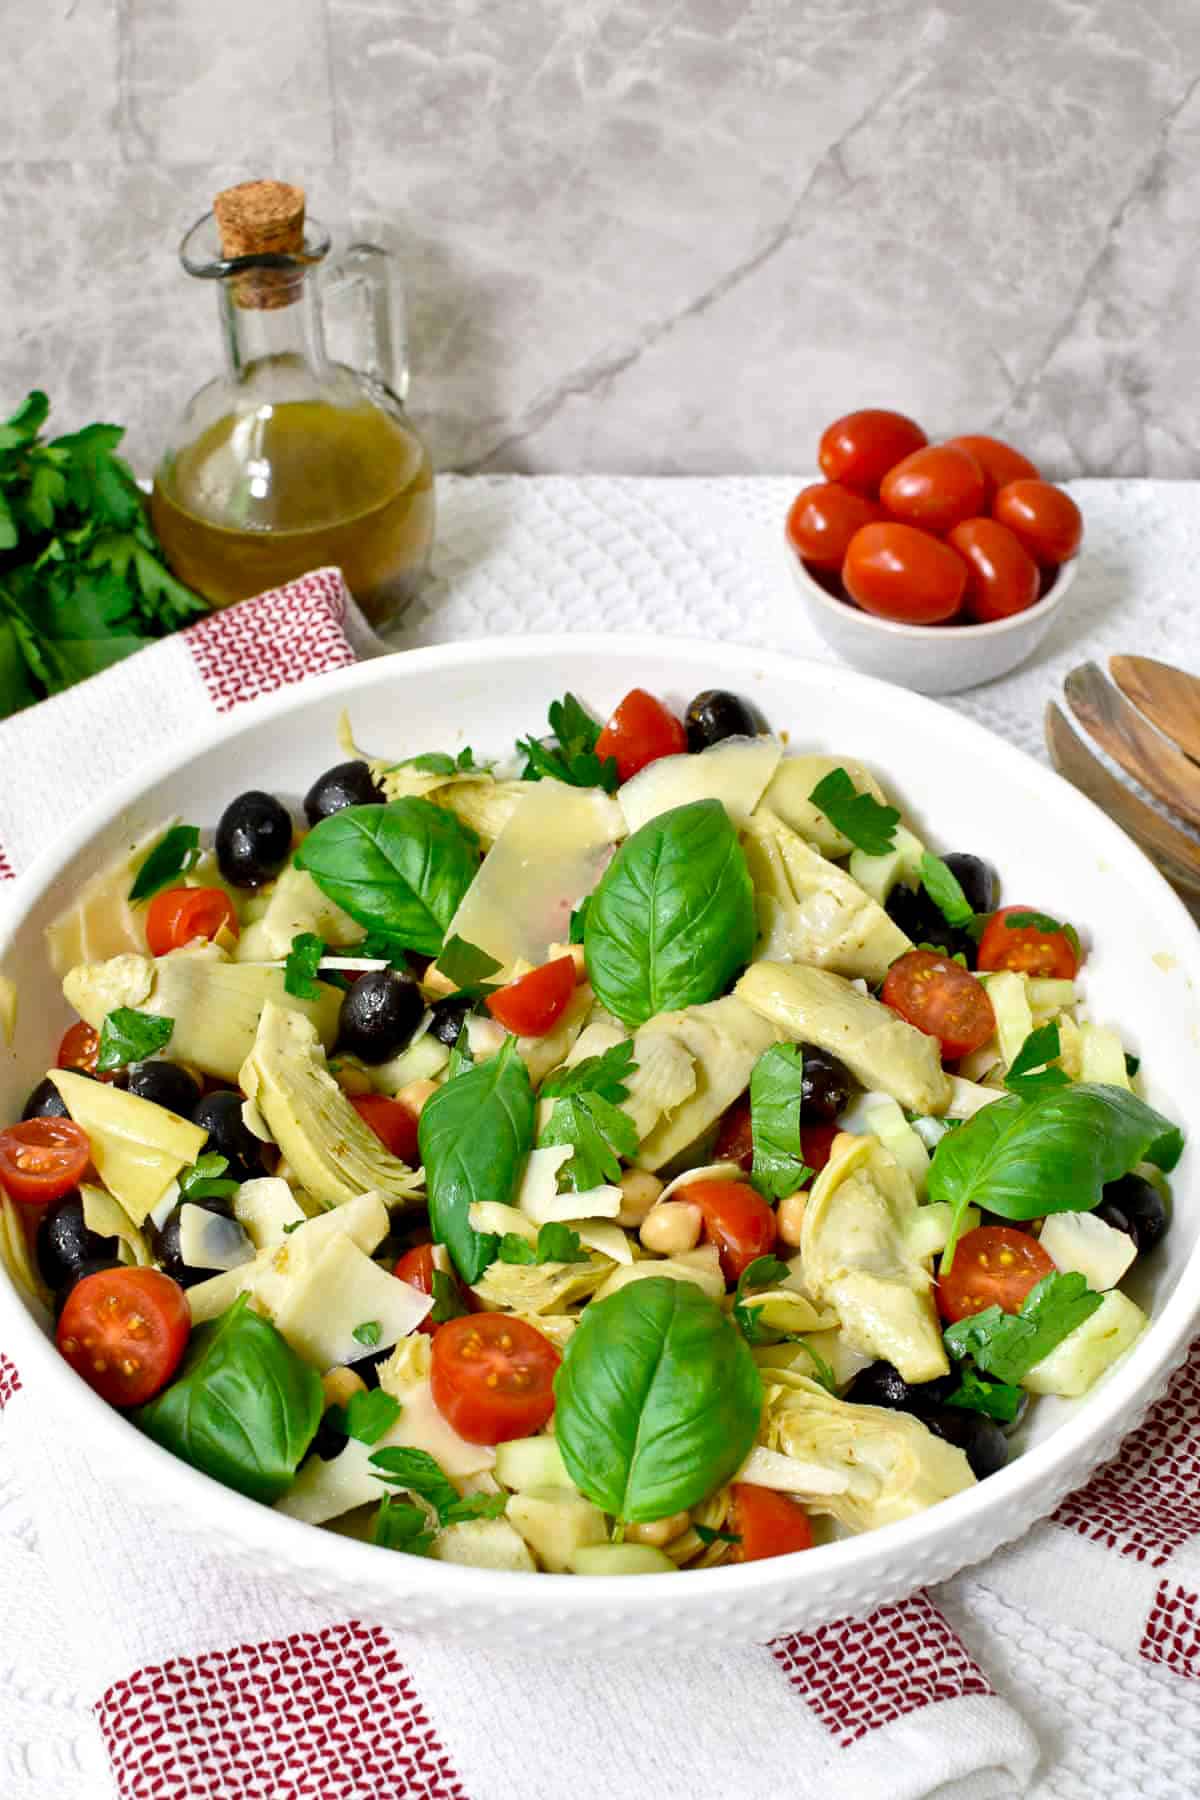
x,y
932,659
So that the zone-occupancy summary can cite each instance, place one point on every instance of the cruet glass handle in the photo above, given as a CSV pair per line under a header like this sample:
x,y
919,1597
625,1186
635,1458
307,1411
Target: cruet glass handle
x,y
365,276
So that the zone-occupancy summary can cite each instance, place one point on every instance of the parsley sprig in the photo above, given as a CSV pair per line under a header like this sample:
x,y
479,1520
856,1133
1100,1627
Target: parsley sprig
x,y
587,1116
1008,1345
127,1036
556,1243
175,854
869,826
438,762
205,1179
571,755
402,1526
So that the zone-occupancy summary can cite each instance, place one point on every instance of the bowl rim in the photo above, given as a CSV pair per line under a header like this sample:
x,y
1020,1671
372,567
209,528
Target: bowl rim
x,y
1134,1384
1042,609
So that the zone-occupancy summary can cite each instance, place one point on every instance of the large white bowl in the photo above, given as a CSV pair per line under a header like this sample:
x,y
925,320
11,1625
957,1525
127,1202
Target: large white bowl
x,y
966,790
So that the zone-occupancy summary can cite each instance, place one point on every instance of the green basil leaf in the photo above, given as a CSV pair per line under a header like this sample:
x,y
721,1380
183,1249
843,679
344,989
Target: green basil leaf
x,y
474,1136
599,1134
468,967
366,1416
578,923
776,1086
244,1407
379,947
516,1249
418,1473
672,920
860,817
205,1179
448,1302
127,1036
657,1401
177,851
301,965
1008,1345
461,1056
945,890
367,1333
1030,1073
605,1075
401,869
437,762
998,1400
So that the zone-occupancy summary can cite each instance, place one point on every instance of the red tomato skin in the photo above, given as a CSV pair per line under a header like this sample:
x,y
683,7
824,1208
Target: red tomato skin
x,y
935,488
736,1219
940,998
467,1352
42,1159
768,1523
179,915
1002,577
393,1124
898,572
92,1334
1042,517
822,520
816,1143
859,449
533,1005
639,732
1049,954
994,1265
79,1048
416,1267
734,1140
999,461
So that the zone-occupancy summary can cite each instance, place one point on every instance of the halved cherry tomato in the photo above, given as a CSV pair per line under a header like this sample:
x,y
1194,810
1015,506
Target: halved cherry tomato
x,y
531,1006
79,1048
42,1159
1026,949
768,1523
999,461
899,572
125,1332
858,450
393,1125
934,488
1002,577
639,732
940,998
823,519
416,1267
993,1266
179,915
736,1219
816,1142
1046,520
492,1377
734,1140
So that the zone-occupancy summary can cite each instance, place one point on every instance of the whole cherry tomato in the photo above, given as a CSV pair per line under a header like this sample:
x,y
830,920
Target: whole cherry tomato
x,y
639,732
533,1005
941,998
994,1265
178,915
416,1267
999,461
899,572
823,519
859,450
42,1159
1002,577
1046,520
934,488
1028,948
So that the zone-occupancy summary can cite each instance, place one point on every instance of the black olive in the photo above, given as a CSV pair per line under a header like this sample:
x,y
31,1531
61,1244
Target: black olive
x,y
880,1384
976,878
379,1015
346,784
449,1016
825,1085
329,1441
163,1082
254,836
1135,1206
715,715
979,1438
64,1242
166,1241
220,1114
92,1265
46,1102
918,918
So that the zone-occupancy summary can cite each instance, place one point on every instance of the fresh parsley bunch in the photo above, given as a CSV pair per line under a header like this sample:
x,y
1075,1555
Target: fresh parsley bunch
x,y
82,580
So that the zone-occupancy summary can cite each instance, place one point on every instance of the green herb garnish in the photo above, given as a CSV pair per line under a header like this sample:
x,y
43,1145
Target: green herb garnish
x,y
708,1536
999,1400
127,1036
860,817
300,968
205,1179
368,1333
468,967
776,1086
448,1301
572,756
945,890
1030,1074
365,1416
556,1243
1040,921
587,1116
1008,1345
175,853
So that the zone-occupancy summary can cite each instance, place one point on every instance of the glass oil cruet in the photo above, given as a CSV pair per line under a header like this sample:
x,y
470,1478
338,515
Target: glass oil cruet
x,y
289,461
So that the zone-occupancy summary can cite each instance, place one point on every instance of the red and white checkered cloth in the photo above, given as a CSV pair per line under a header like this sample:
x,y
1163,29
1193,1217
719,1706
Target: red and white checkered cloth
x,y
204,1683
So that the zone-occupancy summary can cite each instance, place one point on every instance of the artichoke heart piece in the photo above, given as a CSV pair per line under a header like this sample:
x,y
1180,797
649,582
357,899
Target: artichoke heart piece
x,y
296,904
810,911
880,1050
857,1256
138,1148
539,1287
100,922
723,1039
333,1153
863,1465
787,797
215,1003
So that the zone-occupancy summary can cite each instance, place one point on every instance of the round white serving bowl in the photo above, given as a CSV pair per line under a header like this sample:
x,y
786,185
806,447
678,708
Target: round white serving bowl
x,y
932,659
965,790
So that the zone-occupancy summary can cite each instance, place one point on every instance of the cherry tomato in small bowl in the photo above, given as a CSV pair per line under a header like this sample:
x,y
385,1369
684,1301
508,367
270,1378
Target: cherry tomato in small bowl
x,y
736,1219
859,449
42,1159
934,488
898,572
125,1331
1002,577
994,1265
492,1377
940,998
1044,518
822,520
1029,942
639,732
999,461
178,916
533,1005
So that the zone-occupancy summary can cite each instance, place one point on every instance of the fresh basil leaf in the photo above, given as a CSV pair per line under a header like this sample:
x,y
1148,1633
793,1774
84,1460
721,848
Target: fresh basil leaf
x,y
243,1408
996,1399
776,1085
1040,921
418,1473
379,947
945,890
1030,1073
516,1249
177,851
205,1179
708,1536
1054,1153
401,869
672,920
468,967
127,1036
367,1333
438,762
448,1302
557,1243
461,1056
474,1135
571,757
605,1075
764,1271
365,1416
657,1401
578,923
400,1526
860,817
1008,1345
301,965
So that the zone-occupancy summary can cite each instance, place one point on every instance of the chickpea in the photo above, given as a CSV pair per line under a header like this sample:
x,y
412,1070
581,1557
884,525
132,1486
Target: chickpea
x,y
639,1191
414,1094
672,1227
789,1219
340,1385
435,985
658,1531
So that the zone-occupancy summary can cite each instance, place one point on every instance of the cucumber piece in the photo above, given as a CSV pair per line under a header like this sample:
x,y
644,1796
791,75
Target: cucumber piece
x,y
880,874
422,1061
928,1230
533,1462
621,1559
883,1118
1082,1242
1048,998
556,1523
1102,1056
483,1544
1076,1364
1014,1018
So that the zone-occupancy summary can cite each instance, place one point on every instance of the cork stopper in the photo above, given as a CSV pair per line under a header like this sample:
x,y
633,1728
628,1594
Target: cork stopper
x,y
262,218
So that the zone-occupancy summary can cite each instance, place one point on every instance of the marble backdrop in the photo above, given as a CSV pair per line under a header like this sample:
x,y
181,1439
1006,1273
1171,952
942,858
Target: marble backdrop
x,y
639,235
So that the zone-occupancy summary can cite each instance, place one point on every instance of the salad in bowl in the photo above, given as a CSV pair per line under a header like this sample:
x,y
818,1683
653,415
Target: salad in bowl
x,y
637,1154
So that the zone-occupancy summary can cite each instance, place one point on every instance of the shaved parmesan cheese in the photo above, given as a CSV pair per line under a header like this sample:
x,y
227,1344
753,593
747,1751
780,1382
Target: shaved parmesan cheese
x,y
264,1207
208,1240
718,1171
422,1426
607,1238
494,1216
337,1293
159,1214
551,852
735,772
967,1098
770,1469
255,1124
594,1040
566,1209
274,1271
208,1299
